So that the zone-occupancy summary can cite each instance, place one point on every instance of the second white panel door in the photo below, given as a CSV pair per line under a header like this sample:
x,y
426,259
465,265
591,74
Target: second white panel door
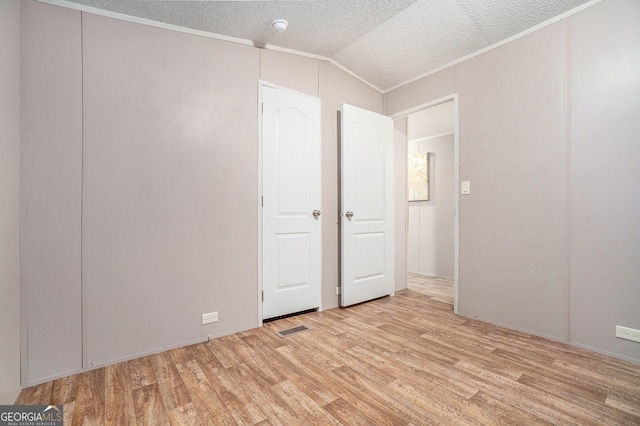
x,y
366,205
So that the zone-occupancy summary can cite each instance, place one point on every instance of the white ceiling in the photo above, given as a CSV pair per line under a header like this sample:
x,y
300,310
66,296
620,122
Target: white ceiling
x,y
385,42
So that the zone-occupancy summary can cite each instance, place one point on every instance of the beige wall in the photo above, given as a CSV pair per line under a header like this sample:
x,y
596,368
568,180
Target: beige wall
x,y
9,200
51,191
169,189
162,183
605,175
425,90
548,138
511,135
294,72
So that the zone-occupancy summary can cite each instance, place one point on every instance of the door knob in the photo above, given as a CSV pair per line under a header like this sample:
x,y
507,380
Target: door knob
x,y
316,214
349,215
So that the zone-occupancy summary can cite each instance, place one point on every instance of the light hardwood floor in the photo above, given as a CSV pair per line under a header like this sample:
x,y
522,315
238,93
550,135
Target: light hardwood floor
x,y
440,289
399,360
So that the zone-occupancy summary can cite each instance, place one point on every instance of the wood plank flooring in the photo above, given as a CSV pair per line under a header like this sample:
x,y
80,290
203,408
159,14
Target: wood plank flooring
x,y
401,360
440,289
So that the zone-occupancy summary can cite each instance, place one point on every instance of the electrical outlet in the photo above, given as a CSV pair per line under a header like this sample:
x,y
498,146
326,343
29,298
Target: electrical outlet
x,y
337,290
209,318
627,333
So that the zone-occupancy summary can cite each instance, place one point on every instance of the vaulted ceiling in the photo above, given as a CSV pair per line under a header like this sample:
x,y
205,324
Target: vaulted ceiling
x,y
385,42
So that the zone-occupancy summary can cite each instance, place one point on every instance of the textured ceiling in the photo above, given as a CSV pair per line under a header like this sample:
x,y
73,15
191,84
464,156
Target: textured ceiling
x,y
385,42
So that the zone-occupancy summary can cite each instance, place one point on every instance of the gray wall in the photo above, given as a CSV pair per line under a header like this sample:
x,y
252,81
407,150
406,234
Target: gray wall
x,y
9,200
166,237
51,190
548,134
605,175
149,216
430,248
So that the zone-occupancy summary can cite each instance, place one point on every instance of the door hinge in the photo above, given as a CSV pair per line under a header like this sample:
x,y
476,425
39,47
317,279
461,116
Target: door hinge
x,y
262,109
263,296
262,201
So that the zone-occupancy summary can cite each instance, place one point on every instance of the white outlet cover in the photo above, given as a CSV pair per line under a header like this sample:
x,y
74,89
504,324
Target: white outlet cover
x,y
465,187
209,318
627,333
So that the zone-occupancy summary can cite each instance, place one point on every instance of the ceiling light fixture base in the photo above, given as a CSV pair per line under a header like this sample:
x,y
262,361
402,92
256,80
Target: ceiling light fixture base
x,y
279,25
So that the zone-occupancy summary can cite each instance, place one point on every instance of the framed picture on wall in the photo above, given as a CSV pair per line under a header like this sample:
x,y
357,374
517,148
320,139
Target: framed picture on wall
x,y
418,170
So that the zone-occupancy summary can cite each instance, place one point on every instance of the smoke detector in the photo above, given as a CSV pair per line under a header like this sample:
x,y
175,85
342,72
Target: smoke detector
x,y
279,25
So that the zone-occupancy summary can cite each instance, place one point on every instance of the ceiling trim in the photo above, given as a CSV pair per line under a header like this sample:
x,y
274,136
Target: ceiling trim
x,y
166,26
498,44
163,25
144,21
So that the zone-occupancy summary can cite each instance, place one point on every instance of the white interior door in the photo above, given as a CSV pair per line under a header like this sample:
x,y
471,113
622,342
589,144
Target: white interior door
x,y
366,206
291,226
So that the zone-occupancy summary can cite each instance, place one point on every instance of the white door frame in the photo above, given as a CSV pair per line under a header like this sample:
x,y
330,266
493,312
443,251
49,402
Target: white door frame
x,y
456,207
261,84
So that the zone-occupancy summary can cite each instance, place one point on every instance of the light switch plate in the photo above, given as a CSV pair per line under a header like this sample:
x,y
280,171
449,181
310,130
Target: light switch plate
x,y
465,187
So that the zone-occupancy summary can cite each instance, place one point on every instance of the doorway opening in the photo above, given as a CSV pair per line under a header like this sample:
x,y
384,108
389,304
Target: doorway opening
x,y
431,209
